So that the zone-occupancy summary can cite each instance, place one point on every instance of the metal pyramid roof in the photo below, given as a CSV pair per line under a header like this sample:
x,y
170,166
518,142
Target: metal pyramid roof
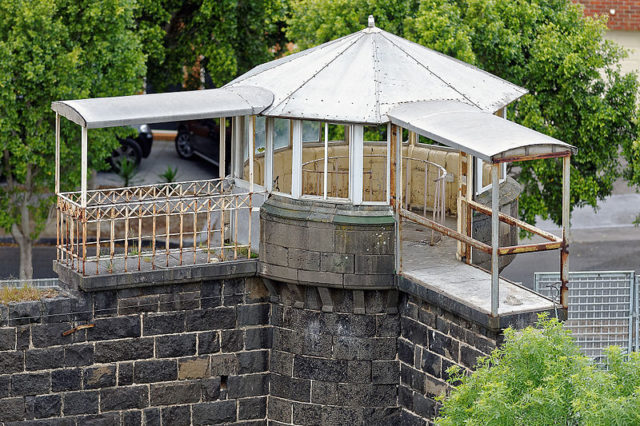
x,y
360,77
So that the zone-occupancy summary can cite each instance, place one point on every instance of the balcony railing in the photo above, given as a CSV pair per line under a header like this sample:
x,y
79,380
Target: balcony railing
x,y
153,226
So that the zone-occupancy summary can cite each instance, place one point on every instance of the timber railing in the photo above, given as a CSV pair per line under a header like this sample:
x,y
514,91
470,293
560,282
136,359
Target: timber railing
x,y
153,226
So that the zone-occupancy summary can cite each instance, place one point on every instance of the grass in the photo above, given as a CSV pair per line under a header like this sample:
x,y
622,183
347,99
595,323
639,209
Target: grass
x,y
25,293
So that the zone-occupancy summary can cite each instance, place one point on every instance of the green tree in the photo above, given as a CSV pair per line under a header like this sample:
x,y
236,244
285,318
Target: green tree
x,y
577,92
222,38
538,376
53,50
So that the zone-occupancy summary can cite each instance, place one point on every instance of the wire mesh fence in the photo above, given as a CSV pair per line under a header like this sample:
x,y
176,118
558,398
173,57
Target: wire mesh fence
x,y
602,308
37,283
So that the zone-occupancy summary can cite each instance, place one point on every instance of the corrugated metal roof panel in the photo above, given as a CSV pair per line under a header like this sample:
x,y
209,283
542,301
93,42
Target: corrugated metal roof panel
x,y
480,133
163,107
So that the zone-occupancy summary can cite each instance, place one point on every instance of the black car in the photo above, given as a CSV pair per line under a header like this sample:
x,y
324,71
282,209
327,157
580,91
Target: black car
x,y
202,138
134,149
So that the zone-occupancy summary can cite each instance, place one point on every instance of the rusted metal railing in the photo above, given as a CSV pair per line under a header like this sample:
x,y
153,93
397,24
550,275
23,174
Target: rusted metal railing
x,y
153,226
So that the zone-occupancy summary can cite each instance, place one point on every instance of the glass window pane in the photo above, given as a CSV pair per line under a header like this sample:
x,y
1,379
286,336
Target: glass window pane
x,y
282,133
310,131
260,134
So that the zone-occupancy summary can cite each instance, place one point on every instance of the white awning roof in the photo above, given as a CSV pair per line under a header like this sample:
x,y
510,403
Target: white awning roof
x,y
479,133
360,77
162,107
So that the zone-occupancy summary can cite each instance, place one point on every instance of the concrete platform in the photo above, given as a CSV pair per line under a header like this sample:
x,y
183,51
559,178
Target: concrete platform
x,y
434,272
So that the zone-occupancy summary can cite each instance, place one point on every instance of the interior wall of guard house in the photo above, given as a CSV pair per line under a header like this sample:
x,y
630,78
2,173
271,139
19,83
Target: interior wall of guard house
x,y
350,257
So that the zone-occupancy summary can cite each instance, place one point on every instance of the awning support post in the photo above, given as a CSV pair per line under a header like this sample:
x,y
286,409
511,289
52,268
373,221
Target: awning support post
x,y
223,148
564,253
296,159
356,151
57,185
495,241
268,155
83,167
252,138
326,160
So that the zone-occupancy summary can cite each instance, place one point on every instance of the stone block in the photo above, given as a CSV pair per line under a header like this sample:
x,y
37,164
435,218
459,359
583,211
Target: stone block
x,y
328,370
258,338
252,408
210,388
385,372
248,385
107,419
274,254
369,281
431,364
5,384
354,325
359,371
68,379
180,301
213,412
138,305
41,407
11,362
405,351
175,345
409,419
115,328
85,402
193,368
281,362
7,339
24,313
307,414
123,350
374,264
124,398
78,355
105,302
175,393
424,406
99,377
232,340
45,335
253,362
210,294
444,345
316,343
125,373
30,384
151,417
207,319
255,314
341,415
325,278
281,273
290,388
405,397
164,323
155,371
435,387
369,242
342,263
385,416
280,410
387,325
233,291
11,409
414,331
325,393
208,342
176,416
131,418
442,325
23,337
303,259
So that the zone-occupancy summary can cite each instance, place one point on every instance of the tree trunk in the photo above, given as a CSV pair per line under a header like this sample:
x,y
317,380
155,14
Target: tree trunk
x,y
22,234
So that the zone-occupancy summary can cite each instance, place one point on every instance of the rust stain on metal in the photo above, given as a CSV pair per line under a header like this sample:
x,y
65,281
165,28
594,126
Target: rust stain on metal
x,y
532,157
78,328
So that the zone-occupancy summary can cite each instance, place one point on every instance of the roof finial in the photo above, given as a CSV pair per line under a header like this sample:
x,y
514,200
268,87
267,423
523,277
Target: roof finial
x,y
372,22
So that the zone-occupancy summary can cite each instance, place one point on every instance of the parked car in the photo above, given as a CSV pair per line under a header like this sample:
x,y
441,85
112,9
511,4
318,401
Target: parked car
x,y
134,149
202,138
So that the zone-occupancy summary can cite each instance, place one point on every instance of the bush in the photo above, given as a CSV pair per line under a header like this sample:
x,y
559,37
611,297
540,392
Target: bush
x,y
539,377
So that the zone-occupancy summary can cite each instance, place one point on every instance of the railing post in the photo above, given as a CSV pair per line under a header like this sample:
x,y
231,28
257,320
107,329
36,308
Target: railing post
x,y
566,209
296,159
495,240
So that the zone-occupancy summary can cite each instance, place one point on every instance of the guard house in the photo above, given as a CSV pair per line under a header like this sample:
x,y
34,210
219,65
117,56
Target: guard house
x,y
367,194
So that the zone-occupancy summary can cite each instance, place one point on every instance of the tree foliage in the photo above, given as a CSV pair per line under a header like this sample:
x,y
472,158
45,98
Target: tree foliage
x,y
221,38
538,376
577,93
53,50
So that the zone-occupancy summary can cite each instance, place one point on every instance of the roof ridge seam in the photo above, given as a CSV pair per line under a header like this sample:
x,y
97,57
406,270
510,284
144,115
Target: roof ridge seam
x,y
376,74
431,72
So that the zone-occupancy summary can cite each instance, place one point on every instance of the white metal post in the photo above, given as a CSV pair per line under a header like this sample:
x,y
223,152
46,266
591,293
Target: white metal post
x,y
222,165
296,159
388,160
495,240
237,147
57,186
566,209
252,143
356,166
468,214
326,158
398,204
268,155
83,166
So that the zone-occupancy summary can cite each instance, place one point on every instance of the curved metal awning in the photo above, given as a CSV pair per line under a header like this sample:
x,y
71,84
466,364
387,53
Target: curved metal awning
x,y
162,107
479,133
